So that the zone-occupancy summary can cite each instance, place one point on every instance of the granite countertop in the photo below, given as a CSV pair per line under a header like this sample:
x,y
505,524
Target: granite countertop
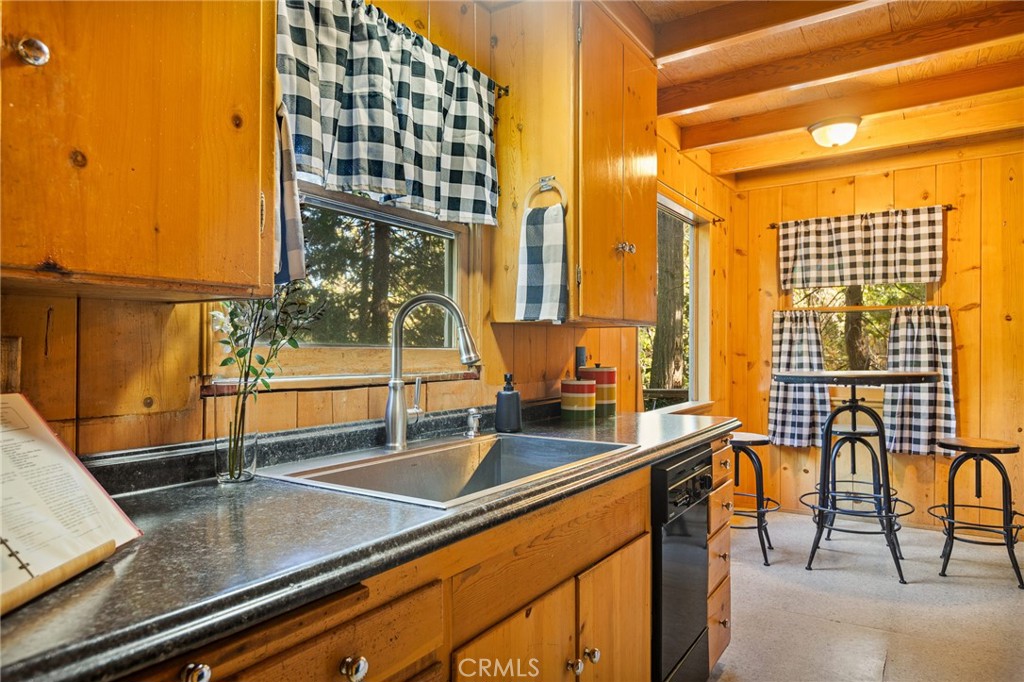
x,y
215,560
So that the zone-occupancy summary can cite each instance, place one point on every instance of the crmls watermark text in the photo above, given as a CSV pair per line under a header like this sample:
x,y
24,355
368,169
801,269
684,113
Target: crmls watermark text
x,y
492,668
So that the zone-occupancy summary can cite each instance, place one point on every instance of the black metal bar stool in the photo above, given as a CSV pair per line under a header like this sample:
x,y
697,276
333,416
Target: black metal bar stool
x,y
980,450
744,443
854,491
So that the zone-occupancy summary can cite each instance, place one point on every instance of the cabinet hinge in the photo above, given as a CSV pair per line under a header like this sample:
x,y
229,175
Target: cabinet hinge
x,y
579,275
579,33
263,212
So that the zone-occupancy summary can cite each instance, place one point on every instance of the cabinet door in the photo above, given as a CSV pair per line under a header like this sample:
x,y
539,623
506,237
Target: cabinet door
x,y
601,165
640,187
135,156
535,642
615,615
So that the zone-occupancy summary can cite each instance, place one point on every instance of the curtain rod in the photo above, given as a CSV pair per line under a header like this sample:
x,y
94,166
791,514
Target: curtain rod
x,y
714,221
945,207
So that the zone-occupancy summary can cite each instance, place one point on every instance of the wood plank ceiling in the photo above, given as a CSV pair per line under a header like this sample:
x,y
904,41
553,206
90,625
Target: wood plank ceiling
x,y
743,80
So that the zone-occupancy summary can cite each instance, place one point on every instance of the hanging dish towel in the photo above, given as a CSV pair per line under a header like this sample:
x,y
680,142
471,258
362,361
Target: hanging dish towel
x,y
542,291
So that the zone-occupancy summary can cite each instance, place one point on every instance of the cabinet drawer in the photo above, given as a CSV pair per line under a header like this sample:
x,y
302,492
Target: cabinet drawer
x,y
719,621
722,461
391,638
720,507
719,558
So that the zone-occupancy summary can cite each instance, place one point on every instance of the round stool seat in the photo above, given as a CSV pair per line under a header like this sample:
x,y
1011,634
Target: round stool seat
x,y
982,445
859,432
750,440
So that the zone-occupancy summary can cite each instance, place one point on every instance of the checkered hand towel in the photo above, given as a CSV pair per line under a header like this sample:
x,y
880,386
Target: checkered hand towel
x,y
542,292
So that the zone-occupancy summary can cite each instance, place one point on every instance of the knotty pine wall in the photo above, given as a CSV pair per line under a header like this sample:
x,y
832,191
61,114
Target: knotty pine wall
x,y
110,375
983,285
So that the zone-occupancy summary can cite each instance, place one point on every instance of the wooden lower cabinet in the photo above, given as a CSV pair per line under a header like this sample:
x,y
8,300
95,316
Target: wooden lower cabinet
x,y
595,627
720,508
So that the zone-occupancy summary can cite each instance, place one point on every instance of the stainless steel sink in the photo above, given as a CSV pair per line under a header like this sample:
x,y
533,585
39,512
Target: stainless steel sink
x,y
447,474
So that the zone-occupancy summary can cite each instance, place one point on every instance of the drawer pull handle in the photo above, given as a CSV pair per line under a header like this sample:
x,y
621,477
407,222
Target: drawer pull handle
x,y
727,505
354,669
724,556
33,51
593,655
196,672
724,623
726,464
574,666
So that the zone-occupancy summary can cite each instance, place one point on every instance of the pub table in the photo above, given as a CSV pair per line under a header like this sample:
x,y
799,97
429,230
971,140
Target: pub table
x,y
827,501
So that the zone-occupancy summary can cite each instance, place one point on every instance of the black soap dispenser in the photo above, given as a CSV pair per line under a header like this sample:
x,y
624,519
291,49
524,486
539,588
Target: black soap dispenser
x,y
508,415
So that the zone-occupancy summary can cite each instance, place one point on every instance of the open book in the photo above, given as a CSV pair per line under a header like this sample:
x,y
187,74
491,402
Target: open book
x,y
57,520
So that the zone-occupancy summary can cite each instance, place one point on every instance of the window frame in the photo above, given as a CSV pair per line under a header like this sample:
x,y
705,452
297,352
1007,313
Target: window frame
x,y
331,367
700,301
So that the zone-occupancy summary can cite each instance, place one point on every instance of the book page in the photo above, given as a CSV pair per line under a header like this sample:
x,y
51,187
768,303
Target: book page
x,y
53,510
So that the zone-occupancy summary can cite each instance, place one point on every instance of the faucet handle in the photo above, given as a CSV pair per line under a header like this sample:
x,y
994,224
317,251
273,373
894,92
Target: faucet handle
x,y
473,422
415,411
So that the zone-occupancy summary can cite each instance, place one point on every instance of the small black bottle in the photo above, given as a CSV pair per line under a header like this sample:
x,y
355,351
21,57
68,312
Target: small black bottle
x,y
508,416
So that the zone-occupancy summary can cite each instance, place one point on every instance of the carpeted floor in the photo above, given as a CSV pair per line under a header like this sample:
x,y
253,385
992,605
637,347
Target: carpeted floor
x,y
851,619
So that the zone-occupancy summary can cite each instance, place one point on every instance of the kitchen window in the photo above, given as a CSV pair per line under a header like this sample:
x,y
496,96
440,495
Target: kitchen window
x,y
855,320
364,260
673,353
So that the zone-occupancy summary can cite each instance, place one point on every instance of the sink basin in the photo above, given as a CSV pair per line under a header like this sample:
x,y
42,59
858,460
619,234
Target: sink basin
x,y
447,474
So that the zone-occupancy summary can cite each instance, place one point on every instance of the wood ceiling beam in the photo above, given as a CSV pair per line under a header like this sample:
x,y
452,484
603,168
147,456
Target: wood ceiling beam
x,y
729,25
861,57
798,147
976,81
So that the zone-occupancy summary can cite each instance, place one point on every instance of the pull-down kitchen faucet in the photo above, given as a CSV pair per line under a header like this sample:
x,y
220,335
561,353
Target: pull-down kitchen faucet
x,y
396,416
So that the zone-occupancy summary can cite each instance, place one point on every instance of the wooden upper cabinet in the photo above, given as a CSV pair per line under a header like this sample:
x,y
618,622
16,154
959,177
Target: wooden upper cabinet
x,y
134,160
582,106
617,174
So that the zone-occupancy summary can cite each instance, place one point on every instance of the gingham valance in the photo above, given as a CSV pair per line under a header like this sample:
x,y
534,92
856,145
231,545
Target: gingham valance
x,y
917,415
796,412
377,108
866,248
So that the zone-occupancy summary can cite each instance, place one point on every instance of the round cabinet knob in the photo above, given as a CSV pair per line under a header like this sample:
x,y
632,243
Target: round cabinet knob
x,y
593,655
196,672
724,623
727,505
726,464
574,666
354,669
631,247
724,556
33,51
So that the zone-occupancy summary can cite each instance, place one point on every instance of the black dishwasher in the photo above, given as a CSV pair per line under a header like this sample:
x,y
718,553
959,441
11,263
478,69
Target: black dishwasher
x,y
680,486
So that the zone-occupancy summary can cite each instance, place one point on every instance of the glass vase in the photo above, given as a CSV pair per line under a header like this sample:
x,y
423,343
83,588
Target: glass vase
x,y
236,436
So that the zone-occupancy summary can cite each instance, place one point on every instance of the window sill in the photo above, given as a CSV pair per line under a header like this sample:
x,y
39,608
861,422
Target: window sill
x,y
690,407
344,381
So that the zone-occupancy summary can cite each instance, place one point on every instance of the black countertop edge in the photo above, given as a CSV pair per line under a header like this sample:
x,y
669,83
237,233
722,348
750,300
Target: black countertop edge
x,y
147,643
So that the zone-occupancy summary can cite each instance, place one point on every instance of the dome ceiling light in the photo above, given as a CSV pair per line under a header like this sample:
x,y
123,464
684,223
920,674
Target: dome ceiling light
x,y
834,132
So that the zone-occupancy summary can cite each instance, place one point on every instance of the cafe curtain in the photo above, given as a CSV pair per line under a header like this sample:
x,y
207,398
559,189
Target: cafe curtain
x,y
868,248
796,412
917,415
379,109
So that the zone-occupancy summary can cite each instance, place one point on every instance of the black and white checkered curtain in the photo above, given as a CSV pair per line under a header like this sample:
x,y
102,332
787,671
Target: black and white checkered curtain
x,y
377,108
917,415
796,412
868,248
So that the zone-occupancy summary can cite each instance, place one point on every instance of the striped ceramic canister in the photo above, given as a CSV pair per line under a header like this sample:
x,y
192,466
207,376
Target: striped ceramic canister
x,y
604,377
578,400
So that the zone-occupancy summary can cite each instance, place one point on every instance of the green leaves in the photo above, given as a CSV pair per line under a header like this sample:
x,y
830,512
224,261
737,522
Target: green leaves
x,y
271,323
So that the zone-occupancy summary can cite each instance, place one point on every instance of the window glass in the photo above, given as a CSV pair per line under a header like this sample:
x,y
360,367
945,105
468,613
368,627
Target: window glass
x,y
857,339
365,269
667,350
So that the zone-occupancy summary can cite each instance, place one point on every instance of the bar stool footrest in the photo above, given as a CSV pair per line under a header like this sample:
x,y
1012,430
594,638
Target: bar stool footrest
x,y
900,508
951,525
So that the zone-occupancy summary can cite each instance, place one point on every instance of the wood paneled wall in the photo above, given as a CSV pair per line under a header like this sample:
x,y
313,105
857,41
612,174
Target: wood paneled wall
x,y
111,375
982,285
